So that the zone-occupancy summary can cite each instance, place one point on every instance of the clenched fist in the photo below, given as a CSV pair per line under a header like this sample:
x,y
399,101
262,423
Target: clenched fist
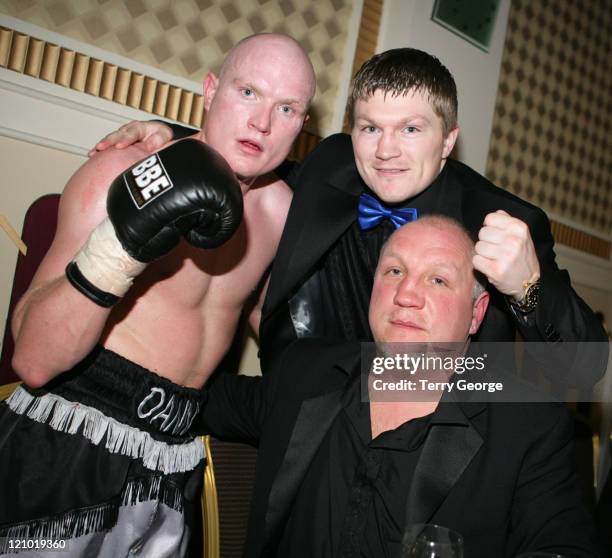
x,y
506,255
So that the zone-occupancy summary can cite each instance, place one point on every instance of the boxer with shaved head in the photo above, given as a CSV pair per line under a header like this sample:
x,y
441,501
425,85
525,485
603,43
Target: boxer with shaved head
x,y
135,305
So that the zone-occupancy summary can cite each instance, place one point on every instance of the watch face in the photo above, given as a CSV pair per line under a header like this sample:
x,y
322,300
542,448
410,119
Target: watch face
x,y
531,297
530,300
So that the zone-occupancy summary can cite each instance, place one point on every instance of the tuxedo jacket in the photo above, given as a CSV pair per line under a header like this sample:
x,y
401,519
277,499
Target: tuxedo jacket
x,y
503,478
327,187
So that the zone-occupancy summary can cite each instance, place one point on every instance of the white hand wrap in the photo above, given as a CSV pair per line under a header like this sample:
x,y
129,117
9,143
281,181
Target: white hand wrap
x,y
104,262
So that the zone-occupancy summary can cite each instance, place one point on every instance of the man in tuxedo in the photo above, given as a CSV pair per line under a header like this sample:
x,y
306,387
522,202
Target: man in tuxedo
x,y
403,116
341,472
351,192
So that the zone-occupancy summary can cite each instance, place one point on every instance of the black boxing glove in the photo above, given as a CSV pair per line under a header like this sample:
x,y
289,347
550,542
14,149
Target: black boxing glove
x,y
187,190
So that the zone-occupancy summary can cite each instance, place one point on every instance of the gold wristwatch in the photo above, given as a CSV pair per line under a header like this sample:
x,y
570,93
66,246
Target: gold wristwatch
x,y
530,298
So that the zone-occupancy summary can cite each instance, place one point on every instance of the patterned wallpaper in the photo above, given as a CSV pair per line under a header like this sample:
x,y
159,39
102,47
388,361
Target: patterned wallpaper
x,y
186,38
551,132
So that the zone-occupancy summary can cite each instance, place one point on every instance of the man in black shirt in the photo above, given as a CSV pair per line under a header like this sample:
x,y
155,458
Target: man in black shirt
x,y
341,472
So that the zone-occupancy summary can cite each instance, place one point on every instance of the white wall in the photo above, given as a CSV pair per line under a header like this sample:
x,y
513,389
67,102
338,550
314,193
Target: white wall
x,y
407,23
590,277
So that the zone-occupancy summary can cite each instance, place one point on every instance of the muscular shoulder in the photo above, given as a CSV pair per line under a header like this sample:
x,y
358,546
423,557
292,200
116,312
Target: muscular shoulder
x,y
90,183
268,201
83,206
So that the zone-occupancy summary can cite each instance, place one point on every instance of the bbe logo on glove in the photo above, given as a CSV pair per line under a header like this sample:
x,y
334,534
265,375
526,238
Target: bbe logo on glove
x,y
147,180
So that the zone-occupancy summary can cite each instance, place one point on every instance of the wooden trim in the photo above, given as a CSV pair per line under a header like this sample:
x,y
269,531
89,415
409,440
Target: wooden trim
x,y
580,240
50,62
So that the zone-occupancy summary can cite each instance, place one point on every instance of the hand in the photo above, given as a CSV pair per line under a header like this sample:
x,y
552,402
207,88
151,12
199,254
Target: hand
x,y
154,135
505,254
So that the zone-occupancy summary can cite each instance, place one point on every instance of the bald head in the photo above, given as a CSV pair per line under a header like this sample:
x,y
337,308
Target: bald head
x,y
460,234
438,222
277,49
258,104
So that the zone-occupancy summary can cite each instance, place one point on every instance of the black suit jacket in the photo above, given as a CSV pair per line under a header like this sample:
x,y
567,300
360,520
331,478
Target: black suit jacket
x,y
326,192
503,479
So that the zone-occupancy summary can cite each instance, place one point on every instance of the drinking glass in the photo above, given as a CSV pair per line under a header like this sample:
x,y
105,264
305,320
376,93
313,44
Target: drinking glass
x,y
431,541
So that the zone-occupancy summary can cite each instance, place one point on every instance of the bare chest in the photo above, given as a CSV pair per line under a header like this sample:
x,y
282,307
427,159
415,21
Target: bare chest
x,y
224,276
180,315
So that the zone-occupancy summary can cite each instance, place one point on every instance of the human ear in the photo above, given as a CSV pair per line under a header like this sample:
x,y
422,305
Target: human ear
x,y
449,142
479,310
211,82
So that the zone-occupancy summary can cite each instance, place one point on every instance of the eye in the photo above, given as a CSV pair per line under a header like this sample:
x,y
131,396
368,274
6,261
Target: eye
x,y
411,129
247,92
438,281
285,109
369,129
394,272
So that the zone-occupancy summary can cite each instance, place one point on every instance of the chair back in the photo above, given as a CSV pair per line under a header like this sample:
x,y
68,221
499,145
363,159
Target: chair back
x,y
39,227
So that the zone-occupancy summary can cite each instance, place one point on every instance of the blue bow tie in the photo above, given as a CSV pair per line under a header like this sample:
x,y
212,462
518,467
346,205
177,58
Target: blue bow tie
x,y
371,212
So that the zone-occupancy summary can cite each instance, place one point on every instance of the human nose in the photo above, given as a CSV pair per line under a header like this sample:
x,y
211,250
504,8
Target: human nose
x,y
409,294
387,146
261,119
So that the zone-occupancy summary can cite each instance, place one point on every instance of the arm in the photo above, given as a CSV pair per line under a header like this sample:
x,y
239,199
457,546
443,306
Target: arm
x,y
273,210
547,513
238,408
48,337
511,252
571,338
235,408
559,305
152,133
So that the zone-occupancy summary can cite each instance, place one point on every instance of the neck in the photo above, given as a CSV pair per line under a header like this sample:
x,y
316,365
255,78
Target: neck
x,y
246,183
388,415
